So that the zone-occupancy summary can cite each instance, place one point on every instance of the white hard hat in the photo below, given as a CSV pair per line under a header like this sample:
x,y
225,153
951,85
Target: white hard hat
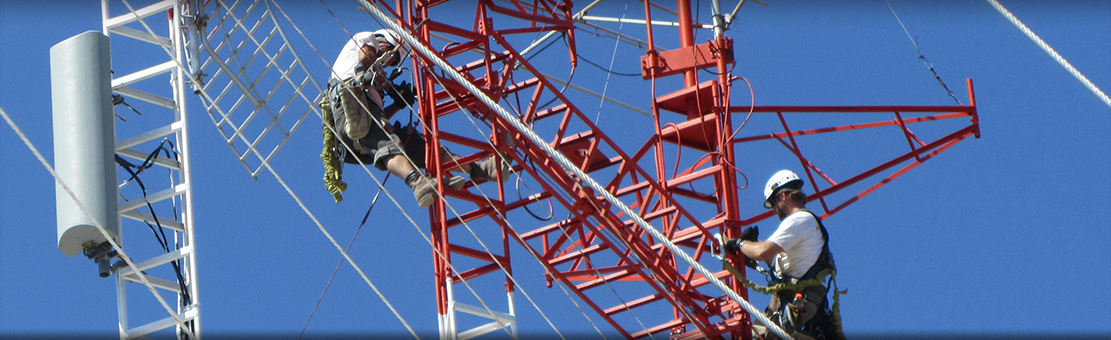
x,y
782,179
391,37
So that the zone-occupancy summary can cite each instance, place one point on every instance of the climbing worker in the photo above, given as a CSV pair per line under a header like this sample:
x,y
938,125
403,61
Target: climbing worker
x,y
355,94
798,253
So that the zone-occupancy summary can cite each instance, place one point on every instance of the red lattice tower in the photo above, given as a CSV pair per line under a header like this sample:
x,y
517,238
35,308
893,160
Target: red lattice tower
x,y
596,246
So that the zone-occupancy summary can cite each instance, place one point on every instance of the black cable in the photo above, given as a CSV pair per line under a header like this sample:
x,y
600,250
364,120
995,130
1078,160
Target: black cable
x,y
160,233
118,100
551,209
340,264
604,69
570,77
928,64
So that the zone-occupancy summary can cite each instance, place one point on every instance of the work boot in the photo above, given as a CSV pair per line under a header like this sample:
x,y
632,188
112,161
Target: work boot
x,y
424,188
358,122
486,170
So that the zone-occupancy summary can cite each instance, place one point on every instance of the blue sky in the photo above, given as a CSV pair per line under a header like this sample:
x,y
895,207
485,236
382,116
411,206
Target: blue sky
x,y
1008,233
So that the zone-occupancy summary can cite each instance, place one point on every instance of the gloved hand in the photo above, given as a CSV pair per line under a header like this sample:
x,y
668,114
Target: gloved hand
x,y
733,246
402,94
750,233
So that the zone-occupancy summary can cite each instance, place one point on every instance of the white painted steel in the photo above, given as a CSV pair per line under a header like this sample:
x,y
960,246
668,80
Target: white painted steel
x,y
141,35
449,329
158,160
144,74
147,218
154,281
145,96
160,7
157,133
639,21
156,261
190,314
130,28
121,300
167,193
234,80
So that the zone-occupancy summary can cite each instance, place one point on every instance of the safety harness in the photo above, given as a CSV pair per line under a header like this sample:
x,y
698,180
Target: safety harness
x,y
333,156
784,288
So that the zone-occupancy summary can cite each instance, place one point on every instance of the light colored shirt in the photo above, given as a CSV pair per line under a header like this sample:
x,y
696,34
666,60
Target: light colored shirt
x,y
801,241
344,67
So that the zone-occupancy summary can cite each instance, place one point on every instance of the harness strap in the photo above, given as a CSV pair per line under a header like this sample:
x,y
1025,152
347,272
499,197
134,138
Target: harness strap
x,y
779,287
835,309
822,268
825,258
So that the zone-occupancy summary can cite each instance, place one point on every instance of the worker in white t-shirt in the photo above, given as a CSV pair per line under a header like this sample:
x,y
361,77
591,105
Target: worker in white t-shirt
x,y
794,252
356,89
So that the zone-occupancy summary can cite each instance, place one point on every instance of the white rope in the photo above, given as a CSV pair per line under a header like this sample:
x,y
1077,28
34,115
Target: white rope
x,y
1052,53
99,227
569,166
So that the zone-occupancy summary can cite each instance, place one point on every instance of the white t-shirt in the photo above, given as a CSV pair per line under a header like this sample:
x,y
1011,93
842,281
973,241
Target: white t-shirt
x,y
801,241
344,67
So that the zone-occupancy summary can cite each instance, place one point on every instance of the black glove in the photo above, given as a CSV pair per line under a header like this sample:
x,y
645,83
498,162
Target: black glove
x,y
750,234
733,246
402,94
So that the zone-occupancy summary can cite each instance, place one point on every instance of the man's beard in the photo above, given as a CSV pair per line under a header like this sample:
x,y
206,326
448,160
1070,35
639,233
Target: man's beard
x,y
779,212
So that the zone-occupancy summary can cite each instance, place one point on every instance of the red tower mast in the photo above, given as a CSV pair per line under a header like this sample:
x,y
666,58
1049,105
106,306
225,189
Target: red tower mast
x,y
596,245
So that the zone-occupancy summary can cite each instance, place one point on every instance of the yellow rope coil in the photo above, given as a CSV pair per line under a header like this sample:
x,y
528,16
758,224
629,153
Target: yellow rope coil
x,y
333,179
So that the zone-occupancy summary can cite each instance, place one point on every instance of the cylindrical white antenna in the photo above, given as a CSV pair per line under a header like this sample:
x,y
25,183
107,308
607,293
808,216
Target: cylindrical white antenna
x,y
84,140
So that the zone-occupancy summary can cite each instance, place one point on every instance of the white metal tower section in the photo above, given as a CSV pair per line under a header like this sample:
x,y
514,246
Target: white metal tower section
x,y
255,86
236,58
154,136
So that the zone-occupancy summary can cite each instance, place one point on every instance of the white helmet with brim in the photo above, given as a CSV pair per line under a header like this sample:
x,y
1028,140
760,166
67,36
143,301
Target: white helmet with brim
x,y
784,179
390,37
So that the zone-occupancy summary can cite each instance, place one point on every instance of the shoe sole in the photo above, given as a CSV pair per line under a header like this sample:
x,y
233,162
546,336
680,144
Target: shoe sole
x,y
454,182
